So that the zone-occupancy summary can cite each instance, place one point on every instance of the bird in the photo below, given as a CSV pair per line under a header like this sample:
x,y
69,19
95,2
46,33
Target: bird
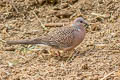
x,y
64,38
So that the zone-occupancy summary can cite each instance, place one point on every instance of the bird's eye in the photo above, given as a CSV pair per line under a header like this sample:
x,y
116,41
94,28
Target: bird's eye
x,y
81,21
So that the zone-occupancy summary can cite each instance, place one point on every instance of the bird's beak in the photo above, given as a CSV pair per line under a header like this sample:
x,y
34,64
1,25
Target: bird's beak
x,y
86,24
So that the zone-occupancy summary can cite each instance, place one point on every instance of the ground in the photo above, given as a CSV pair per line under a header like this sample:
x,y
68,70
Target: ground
x,y
99,53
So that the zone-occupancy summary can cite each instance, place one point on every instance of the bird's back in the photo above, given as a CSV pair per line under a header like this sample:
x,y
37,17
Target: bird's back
x,y
59,37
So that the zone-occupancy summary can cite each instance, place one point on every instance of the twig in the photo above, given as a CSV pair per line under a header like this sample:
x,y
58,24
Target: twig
x,y
100,15
64,14
9,49
72,57
107,75
42,25
1,40
36,49
55,24
111,50
11,2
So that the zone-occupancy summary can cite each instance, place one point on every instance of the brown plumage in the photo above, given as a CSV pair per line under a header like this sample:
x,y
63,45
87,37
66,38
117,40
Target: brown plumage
x,y
63,38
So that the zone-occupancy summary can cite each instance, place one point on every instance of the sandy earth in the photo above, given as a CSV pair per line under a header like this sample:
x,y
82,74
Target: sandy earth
x,y
99,52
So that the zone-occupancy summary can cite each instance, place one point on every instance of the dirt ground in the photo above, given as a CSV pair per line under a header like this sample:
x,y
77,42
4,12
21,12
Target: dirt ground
x,y
99,56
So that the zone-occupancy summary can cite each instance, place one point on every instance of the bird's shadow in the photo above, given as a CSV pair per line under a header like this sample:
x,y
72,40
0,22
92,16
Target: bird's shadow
x,y
76,54
68,58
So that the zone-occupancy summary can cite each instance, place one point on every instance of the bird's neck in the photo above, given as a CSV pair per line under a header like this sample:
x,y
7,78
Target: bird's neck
x,y
79,26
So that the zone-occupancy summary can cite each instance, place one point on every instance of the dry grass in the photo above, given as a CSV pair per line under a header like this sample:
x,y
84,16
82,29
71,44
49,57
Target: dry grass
x,y
99,52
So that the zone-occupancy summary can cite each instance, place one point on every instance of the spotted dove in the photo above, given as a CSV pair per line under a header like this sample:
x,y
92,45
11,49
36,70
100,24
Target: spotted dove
x,y
62,38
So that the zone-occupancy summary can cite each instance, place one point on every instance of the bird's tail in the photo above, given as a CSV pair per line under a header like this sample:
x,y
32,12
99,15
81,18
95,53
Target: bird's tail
x,y
28,41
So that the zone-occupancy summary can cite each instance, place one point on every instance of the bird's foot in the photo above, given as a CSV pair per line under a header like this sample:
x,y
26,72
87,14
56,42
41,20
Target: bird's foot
x,y
55,53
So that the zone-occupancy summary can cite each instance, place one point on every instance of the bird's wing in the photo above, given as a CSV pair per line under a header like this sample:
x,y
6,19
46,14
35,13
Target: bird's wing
x,y
60,37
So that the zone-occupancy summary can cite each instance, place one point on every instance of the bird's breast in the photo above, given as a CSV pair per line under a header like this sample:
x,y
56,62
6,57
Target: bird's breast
x,y
78,37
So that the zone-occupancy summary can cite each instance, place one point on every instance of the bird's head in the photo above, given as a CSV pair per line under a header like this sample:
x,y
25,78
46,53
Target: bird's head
x,y
80,21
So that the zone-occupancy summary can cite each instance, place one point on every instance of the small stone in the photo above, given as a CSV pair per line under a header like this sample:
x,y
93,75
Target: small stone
x,y
72,1
85,67
52,1
64,5
41,2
